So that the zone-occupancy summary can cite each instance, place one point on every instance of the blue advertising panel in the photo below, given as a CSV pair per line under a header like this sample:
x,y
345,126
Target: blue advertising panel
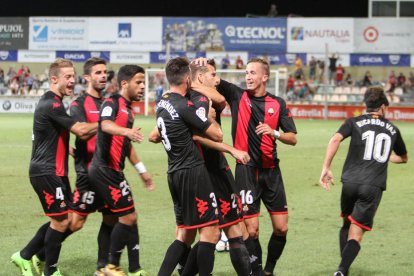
x,y
160,57
380,60
280,59
194,34
81,56
10,55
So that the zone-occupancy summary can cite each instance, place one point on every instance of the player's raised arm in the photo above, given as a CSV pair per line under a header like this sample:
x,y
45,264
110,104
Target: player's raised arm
x,y
326,175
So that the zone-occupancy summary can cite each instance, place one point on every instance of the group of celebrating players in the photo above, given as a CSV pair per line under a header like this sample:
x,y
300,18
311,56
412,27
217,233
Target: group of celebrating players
x,y
206,196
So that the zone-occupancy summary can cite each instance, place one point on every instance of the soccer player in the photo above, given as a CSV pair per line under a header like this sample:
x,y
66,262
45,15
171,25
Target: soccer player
x,y
113,144
257,117
364,176
49,167
195,203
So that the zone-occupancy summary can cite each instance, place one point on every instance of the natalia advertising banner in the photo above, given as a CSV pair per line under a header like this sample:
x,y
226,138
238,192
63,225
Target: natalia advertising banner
x,y
313,35
130,34
58,33
384,35
267,35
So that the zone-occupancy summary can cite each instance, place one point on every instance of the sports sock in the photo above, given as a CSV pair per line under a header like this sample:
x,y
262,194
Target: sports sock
x,y
104,240
41,255
172,256
36,243
191,267
53,244
119,238
343,238
183,259
205,258
274,251
349,254
133,249
239,256
255,255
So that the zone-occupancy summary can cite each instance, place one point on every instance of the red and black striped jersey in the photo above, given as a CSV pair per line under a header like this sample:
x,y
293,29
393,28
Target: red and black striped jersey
x,y
111,150
177,116
213,159
85,109
51,125
373,138
247,112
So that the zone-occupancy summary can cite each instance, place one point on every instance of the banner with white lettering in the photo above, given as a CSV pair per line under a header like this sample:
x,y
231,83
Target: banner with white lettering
x,y
380,60
193,34
129,58
10,55
35,56
131,34
14,32
313,35
280,59
82,56
385,35
160,57
58,33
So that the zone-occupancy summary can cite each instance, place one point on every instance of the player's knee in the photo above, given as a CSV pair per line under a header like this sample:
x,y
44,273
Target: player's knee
x,y
77,225
253,232
281,230
129,219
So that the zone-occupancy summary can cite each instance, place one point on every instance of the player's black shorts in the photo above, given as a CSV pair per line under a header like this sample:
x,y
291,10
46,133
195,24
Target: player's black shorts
x,y
229,203
359,204
85,200
113,188
265,184
195,203
54,193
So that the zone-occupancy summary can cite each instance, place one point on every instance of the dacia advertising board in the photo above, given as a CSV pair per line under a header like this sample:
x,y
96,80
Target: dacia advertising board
x,y
380,60
194,34
14,33
82,56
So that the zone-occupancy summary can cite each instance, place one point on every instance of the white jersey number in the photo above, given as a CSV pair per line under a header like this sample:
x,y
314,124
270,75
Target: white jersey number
x,y
376,146
165,141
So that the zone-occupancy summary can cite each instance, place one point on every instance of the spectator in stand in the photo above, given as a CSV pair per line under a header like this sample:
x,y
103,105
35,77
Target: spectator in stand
x,y
367,80
14,86
298,67
290,82
332,67
11,74
401,81
339,75
392,82
312,68
2,76
411,81
225,62
159,91
321,66
239,63
348,80
272,11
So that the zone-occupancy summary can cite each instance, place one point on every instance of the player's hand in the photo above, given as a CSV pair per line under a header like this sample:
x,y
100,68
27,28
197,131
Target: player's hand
x,y
326,179
264,129
147,179
240,155
135,135
72,152
200,61
211,111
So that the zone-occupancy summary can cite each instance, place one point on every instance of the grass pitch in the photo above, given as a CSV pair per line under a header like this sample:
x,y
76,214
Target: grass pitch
x,y
314,222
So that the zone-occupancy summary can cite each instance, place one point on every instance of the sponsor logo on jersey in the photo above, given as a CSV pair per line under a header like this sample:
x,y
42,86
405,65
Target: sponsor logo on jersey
x,y
107,111
201,113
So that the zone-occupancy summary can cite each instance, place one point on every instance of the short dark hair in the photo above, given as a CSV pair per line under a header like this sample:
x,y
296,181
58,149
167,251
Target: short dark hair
x,y
263,62
176,70
127,72
194,68
375,97
87,67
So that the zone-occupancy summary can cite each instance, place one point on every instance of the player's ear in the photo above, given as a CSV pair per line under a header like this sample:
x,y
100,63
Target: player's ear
x,y
124,84
54,79
87,77
265,78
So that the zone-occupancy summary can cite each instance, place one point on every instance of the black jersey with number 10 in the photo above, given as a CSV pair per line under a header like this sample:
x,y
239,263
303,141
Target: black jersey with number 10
x,y
176,117
372,140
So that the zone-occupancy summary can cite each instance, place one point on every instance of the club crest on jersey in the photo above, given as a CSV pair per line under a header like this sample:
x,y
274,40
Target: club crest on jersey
x,y
201,113
107,111
271,111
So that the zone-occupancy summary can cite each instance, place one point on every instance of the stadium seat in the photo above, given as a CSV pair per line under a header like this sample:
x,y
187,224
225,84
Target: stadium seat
x,y
334,98
363,90
40,92
395,99
355,90
343,98
32,92
398,91
317,97
338,90
346,90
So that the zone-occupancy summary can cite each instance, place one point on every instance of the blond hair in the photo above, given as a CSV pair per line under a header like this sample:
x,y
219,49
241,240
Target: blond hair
x,y
54,68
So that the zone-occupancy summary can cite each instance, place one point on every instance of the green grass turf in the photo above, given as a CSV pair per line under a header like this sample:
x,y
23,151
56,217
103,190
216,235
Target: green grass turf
x,y
312,247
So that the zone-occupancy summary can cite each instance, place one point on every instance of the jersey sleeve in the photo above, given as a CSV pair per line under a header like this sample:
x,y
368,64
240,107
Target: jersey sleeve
x,y
399,146
346,128
230,91
195,117
286,122
77,111
108,110
58,114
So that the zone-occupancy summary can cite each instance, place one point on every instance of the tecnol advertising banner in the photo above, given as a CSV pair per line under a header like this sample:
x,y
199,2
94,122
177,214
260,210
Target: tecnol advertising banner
x,y
58,33
312,35
131,34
